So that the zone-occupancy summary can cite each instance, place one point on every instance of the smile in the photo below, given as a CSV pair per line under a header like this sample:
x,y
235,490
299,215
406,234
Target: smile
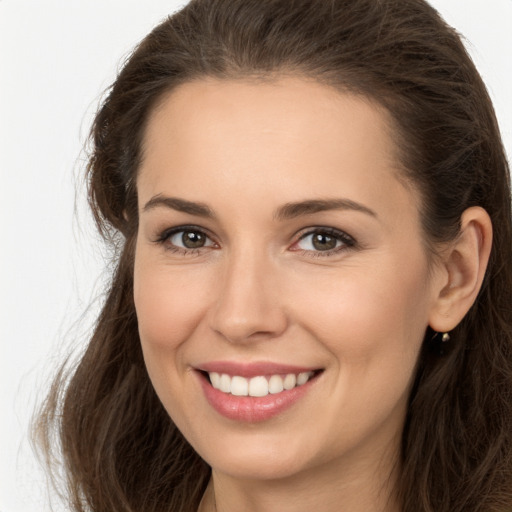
x,y
254,392
258,386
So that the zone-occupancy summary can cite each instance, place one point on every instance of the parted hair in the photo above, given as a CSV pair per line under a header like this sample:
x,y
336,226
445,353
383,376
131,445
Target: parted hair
x,y
121,451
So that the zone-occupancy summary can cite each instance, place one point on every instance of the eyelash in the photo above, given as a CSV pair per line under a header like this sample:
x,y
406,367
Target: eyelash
x,y
347,242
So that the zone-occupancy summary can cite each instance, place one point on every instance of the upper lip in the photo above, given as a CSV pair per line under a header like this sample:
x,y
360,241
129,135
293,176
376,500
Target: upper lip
x,y
253,369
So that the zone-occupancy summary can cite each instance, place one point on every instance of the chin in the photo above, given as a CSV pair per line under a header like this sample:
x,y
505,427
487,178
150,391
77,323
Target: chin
x,y
258,458
259,468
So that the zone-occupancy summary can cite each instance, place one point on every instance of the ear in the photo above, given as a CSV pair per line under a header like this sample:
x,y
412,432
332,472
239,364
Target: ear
x,y
462,270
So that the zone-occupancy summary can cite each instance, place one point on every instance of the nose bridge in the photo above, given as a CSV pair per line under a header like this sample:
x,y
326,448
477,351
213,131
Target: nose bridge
x,y
248,305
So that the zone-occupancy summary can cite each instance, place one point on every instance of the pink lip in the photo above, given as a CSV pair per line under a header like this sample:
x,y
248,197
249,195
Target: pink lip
x,y
251,409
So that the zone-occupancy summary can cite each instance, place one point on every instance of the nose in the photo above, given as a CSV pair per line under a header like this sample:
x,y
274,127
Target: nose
x,y
249,305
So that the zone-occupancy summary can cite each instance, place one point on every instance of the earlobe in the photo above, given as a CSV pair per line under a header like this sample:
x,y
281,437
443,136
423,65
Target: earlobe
x,y
464,263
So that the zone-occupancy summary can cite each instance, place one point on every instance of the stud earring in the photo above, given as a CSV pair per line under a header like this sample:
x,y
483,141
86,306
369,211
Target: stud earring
x,y
439,342
445,338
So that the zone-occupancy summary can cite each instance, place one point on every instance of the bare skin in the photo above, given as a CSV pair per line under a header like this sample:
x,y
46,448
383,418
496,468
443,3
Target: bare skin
x,y
239,275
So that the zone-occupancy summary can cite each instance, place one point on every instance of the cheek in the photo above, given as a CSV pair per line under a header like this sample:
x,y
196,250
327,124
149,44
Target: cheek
x,y
372,321
169,304
369,314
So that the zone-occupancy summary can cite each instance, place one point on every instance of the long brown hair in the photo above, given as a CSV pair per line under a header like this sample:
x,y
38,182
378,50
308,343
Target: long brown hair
x,y
120,448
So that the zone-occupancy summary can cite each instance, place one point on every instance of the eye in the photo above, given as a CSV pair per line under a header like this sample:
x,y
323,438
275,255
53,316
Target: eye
x,y
185,239
324,240
190,239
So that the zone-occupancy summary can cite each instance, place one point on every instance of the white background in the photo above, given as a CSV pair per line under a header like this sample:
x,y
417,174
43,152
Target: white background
x,y
56,58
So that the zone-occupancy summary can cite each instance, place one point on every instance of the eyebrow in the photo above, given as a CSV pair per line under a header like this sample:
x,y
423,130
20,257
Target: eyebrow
x,y
181,205
298,209
285,212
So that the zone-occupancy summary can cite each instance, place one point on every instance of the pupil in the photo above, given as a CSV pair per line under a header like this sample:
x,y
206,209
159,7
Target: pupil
x,y
192,239
323,242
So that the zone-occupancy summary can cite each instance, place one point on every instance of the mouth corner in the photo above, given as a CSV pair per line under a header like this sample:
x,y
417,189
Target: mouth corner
x,y
317,373
205,375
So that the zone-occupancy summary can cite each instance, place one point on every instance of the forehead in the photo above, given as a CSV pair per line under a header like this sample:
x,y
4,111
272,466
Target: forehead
x,y
298,106
279,139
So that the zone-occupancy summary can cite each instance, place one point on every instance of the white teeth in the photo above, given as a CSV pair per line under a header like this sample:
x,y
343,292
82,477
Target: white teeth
x,y
257,386
239,386
225,383
302,378
275,384
289,381
215,379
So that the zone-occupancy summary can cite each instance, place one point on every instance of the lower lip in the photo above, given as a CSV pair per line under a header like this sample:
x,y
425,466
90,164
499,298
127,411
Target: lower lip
x,y
252,409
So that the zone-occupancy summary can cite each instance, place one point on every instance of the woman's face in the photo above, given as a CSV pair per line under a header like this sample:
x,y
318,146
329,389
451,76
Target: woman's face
x,y
281,284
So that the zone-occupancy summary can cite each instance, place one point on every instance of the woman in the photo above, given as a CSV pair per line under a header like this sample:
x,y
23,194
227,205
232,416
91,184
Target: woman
x,y
311,306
